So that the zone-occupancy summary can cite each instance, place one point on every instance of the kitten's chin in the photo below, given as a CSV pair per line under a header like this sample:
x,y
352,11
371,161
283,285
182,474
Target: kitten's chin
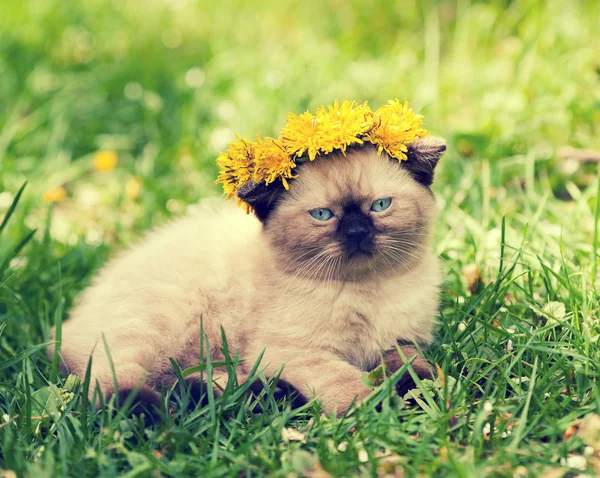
x,y
359,259
358,267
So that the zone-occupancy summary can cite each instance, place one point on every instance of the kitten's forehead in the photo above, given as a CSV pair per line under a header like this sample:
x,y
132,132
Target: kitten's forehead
x,y
360,175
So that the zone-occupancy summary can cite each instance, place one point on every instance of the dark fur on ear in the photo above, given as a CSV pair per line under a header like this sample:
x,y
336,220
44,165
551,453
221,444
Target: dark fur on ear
x,y
260,197
423,155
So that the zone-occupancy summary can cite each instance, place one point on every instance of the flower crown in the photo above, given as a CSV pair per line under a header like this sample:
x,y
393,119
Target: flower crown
x,y
390,128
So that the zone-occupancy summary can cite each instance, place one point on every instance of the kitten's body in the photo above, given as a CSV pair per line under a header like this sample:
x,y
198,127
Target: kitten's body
x,y
325,320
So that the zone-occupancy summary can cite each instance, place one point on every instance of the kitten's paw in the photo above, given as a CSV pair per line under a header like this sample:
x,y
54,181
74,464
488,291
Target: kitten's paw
x,y
394,362
144,400
132,387
340,400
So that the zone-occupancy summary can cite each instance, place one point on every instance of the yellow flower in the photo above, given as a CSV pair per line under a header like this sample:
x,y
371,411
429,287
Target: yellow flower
x,y
237,166
313,134
133,187
335,127
349,122
271,162
105,160
395,125
264,160
55,195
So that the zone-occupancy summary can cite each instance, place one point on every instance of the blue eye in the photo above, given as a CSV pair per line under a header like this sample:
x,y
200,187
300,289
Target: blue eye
x,y
381,204
321,214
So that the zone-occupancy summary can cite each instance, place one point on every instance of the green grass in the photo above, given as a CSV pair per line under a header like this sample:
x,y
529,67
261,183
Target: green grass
x,y
166,84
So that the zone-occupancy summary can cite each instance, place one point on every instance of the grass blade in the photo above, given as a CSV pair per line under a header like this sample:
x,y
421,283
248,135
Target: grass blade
x,y
12,207
23,355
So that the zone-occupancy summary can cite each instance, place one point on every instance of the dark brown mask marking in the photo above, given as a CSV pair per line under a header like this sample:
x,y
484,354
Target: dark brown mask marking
x,y
356,231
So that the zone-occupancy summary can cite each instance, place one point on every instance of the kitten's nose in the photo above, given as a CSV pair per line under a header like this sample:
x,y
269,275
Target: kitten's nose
x,y
356,230
357,233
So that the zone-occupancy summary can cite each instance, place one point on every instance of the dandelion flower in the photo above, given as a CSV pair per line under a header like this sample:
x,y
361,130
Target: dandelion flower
x,y
105,160
271,162
55,195
334,127
394,126
349,121
264,160
308,133
237,166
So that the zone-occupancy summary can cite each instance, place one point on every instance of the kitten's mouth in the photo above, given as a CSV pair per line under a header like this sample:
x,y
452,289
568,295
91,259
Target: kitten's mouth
x,y
359,254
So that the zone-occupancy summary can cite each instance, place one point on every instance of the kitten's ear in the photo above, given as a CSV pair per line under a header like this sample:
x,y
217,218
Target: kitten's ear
x,y
260,197
423,155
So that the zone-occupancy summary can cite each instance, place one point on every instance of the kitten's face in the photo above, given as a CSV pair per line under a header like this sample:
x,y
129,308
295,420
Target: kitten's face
x,y
344,218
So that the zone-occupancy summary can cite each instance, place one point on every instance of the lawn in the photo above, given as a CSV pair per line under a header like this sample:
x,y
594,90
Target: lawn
x,y
113,113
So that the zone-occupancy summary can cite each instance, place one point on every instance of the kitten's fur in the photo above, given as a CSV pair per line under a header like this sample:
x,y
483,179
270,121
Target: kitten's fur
x,y
283,283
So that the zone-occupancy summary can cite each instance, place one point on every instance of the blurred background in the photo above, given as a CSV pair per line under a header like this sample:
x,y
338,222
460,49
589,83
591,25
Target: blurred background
x,y
114,112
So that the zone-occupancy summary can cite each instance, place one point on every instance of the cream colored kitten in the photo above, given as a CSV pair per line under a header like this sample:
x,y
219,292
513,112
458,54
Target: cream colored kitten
x,y
325,278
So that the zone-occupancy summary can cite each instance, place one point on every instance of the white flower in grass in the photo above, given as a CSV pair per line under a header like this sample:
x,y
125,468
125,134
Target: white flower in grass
x,y
363,456
291,434
488,407
574,461
554,310
487,430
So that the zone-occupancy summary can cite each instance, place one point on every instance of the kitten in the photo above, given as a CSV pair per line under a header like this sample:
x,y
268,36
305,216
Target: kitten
x,y
325,278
